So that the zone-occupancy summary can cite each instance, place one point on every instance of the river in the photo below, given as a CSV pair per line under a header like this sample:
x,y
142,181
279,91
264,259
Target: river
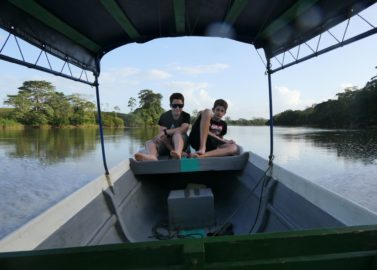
x,y
39,167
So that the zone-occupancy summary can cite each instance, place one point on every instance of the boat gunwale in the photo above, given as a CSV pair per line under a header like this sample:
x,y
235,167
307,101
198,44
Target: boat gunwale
x,y
38,229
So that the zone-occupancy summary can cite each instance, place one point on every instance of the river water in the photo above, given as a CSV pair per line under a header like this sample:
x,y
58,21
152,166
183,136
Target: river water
x,y
40,167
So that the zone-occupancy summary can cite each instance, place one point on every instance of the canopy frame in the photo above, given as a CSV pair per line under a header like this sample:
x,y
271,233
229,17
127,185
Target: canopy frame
x,y
64,71
316,51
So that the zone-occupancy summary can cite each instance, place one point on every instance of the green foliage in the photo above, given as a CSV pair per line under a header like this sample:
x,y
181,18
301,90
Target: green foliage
x,y
37,103
293,118
9,123
353,108
245,122
148,112
132,103
112,120
6,112
82,110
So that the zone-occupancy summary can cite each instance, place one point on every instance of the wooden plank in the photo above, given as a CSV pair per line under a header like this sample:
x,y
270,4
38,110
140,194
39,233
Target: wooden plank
x,y
228,163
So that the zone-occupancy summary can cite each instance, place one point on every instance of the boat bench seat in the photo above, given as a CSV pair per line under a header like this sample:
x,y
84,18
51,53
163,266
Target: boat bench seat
x,y
166,166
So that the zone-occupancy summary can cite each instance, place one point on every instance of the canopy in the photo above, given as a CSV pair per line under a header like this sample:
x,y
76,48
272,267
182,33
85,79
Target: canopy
x,y
81,32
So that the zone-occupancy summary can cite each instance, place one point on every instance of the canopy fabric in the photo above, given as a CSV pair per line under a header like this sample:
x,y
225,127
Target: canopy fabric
x,y
83,31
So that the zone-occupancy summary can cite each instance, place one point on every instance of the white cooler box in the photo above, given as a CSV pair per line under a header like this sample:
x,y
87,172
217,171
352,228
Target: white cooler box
x,y
191,208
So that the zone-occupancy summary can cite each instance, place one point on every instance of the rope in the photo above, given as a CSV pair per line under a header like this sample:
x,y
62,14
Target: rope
x,y
226,222
260,199
161,231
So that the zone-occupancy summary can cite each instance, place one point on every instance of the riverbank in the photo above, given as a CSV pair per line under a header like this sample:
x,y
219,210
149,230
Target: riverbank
x,y
12,125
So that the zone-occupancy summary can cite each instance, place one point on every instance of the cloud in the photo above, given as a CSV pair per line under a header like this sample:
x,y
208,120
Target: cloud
x,y
186,85
346,85
118,75
130,75
202,69
157,74
195,93
286,99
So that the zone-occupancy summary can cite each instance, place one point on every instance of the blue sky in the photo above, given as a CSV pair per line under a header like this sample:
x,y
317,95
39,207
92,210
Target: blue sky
x,y
205,69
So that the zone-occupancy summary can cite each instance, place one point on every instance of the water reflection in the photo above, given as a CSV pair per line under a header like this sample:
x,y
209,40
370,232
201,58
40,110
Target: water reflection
x,y
49,145
55,145
352,145
40,167
143,134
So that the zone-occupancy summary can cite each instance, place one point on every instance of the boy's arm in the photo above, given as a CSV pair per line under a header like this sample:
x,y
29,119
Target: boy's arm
x,y
223,132
160,134
220,138
217,137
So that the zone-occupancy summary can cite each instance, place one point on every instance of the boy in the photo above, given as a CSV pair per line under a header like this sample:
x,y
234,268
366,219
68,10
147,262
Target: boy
x,y
207,133
172,137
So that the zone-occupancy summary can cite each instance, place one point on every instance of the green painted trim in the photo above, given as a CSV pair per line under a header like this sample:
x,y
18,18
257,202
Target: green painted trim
x,y
116,12
190,164
235,11
179,14
339,248
292,13
50,20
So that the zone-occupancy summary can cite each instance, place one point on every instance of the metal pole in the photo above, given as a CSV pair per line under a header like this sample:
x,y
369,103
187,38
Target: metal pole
x,y
100,123
34,66
269,72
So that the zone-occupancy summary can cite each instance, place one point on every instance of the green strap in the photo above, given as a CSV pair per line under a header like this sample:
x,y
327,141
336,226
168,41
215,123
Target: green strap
x,y
117,13
179,14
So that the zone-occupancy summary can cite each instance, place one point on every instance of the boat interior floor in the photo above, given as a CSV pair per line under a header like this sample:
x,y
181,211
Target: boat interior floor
x,y
152,207
244,202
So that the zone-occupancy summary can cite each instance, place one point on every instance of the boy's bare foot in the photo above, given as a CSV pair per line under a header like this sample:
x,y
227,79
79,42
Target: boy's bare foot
x,y
142,157
201,151
175,155
196,155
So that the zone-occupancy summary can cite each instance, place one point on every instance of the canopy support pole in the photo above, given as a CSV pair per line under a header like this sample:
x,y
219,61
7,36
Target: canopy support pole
x,y
269,72
100,123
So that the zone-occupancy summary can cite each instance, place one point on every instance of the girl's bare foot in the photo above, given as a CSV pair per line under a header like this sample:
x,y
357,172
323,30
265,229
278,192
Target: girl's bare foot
x,y
142,157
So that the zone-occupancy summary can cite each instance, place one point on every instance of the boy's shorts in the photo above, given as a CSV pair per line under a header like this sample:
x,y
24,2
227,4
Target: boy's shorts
x,y
164,151
194,140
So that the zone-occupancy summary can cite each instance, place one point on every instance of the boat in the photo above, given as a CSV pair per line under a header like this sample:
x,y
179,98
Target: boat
x,y
235,212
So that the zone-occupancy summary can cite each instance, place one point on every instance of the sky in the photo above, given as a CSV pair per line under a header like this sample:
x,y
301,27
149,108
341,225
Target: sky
x,y
206,68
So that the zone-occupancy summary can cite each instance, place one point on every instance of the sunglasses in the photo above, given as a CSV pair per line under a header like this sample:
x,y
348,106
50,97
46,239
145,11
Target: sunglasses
x,y
175,106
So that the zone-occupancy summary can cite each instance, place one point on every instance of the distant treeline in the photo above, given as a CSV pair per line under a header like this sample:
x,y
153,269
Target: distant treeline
x,y
245,122
37,104
354,108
